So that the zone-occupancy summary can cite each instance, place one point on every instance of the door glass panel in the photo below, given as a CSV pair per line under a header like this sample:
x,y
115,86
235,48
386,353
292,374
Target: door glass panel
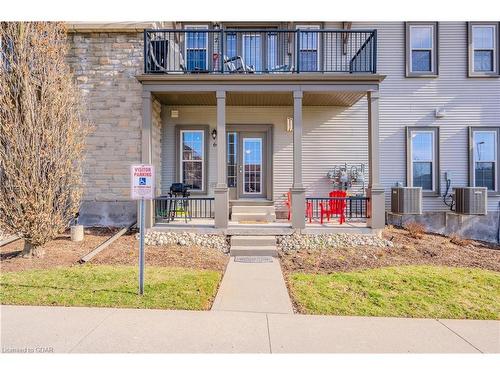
x,y
231,50
232,146
272,51
308,48
252,52
252,165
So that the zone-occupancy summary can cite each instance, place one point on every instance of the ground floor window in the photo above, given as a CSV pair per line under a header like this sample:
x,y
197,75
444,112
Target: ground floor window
x,y
423,147
192,158
484,158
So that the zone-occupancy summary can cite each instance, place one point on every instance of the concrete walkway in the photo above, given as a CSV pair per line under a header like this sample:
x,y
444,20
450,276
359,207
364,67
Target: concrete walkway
x,y
103,330
253,287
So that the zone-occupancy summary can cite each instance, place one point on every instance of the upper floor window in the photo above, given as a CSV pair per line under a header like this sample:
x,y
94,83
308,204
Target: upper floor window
x,y
484,157
422,146
196,48
483,49
421,49
308,45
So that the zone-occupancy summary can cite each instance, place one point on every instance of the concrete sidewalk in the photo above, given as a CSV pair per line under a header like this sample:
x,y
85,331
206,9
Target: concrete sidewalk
x,y
104,330
253,287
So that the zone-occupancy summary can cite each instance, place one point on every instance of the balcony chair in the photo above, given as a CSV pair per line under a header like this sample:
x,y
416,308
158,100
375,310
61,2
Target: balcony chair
x,y
288,204
334,206
236,64
281,69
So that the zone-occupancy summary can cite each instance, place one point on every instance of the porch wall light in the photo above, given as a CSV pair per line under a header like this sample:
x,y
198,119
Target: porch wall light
x,y
289,124
214,137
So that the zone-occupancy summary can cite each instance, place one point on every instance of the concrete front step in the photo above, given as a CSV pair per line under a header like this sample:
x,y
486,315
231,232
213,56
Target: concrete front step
x,y
253,241
253,246
253,209
253,251
251,202
253,213
245,216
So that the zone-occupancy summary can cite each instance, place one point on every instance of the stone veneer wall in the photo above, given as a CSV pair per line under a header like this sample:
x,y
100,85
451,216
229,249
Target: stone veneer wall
x,y
105,66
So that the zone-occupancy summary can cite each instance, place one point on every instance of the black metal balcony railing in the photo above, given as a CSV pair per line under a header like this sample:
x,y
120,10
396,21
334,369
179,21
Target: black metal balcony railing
x,y
260,51
355,207
171,208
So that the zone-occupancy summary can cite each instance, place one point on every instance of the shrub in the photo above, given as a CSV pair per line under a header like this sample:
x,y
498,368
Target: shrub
x,y
456,239
415,230
42,134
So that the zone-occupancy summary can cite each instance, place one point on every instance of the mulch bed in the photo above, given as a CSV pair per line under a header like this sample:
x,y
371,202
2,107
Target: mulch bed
x,y
430,249
62,252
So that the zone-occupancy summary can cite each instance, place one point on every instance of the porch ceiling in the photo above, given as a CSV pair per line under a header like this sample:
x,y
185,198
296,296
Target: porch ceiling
x,y
336,98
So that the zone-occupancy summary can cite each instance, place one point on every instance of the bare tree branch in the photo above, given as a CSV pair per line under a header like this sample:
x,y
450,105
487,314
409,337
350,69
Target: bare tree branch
x,y
42,134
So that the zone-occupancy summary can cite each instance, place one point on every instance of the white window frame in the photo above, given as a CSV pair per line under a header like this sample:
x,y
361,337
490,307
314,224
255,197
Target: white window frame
x,y
261,163
196,27
493,49
432,49
434,131
310,27
202,161
494,160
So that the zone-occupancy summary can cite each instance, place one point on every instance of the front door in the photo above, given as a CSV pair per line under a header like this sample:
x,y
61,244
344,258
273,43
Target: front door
x,y
247,164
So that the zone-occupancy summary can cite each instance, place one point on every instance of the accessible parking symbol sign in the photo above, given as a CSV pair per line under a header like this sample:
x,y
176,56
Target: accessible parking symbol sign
x,y
142,181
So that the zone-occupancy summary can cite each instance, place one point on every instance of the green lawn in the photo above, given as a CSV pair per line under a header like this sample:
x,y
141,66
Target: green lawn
x,y
111,286
410,291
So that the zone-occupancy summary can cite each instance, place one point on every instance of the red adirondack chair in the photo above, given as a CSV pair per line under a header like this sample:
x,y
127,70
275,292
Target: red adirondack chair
x,y
334,206
288,204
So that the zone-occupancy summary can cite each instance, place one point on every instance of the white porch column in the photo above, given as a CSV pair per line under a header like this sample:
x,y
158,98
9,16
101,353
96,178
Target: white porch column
x,y
146,150
297,191
376,193
221,190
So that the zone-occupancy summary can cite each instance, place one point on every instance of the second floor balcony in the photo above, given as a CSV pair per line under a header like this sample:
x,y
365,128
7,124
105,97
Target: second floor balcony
x,y
260,51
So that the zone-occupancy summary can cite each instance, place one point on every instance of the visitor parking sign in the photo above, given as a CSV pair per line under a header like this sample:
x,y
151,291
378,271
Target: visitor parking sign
x,y
143,181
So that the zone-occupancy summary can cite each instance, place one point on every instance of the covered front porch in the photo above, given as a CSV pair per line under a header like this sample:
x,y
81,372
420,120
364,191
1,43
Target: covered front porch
x,y
239,116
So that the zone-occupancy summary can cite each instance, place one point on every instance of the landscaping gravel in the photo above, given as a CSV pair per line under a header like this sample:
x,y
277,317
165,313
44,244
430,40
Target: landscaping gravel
x,y
212,241
324,241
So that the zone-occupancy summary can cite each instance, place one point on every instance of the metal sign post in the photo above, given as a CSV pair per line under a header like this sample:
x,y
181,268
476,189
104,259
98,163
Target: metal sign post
x,y
141,248
142,187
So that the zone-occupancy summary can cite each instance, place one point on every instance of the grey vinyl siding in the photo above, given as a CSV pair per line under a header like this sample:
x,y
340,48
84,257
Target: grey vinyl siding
x,y
412,102
334,135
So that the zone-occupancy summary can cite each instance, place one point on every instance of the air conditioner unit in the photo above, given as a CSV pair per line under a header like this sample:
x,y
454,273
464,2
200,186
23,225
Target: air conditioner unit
x,y
471,200
406,200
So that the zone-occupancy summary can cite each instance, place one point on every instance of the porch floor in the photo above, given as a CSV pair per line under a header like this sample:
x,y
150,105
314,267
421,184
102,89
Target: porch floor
x,y
279,227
